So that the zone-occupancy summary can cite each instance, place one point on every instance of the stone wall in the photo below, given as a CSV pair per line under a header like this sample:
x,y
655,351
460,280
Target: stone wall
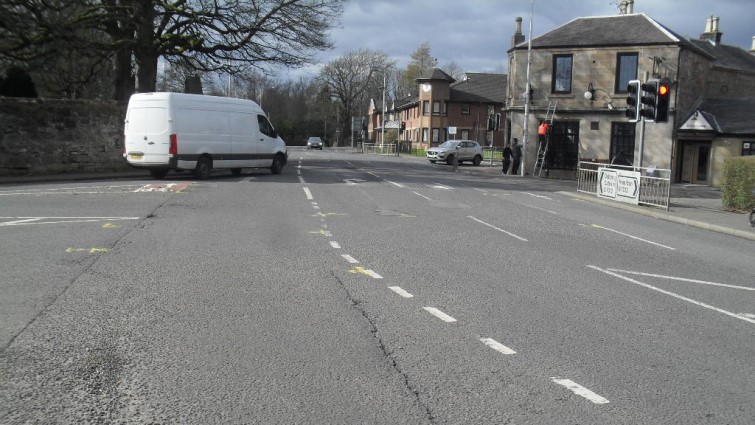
x,y
52,136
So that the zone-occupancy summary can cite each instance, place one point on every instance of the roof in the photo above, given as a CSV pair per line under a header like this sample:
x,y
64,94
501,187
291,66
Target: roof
x,y
435,74
617,30
729,116
479,87
726,56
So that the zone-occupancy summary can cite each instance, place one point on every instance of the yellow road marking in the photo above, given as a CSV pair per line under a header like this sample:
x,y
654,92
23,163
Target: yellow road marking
x,y
362,270
89,250
321,232
110,226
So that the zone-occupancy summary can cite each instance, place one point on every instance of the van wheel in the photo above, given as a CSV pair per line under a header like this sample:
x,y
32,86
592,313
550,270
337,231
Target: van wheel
x,y
477,160
204,168
235,171
158,174
277,166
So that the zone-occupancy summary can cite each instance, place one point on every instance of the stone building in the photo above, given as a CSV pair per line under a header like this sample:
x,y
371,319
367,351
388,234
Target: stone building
x,y
442,103
582,68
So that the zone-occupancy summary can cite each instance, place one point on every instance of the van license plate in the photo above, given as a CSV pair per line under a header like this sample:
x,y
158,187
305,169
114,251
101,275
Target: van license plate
x,y
136,155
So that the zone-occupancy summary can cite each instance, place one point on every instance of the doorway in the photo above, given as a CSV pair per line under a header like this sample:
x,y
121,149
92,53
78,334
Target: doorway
x,y
695,162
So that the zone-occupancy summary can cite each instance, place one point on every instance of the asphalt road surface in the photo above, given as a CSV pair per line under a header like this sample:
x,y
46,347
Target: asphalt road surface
x,y
364,289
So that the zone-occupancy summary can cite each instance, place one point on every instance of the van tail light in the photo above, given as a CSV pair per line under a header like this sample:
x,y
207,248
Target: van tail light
x,y
173,145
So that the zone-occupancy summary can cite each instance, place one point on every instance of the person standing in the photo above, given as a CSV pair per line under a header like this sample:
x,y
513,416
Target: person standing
x,y
516,156
506,158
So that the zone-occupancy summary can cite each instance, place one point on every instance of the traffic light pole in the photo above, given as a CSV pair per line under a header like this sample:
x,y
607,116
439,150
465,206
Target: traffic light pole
x,y
642,140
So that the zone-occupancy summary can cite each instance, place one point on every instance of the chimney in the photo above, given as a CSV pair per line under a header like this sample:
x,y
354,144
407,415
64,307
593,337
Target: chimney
x,y
626,7
630,7
712,33
518,36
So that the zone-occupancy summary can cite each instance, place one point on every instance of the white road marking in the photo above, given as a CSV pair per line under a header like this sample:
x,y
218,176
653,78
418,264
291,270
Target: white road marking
x,y
373,174
580,390
400,291
439,314
681,279
683,298
633,237
497,346
316,207
537,196
541,209
480,190
421,195
28,221
396,184
350,259
301,180
499,229
335,245
440,186
747,315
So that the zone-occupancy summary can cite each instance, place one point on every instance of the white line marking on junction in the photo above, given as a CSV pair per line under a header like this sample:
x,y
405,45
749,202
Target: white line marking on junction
x,y
301,180
633,237
497,346
681,279
580,390
335,245
541,209
439,314
480,190
28,221
422,196
440,186
308,193
373,174
350,259
398,290
496,228
747,315
396,184
537,196
683,298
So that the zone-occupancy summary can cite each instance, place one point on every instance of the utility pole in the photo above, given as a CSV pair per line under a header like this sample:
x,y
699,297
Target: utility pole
x,y
527,94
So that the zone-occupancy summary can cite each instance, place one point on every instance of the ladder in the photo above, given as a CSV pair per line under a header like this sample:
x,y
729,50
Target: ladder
x,y
542,148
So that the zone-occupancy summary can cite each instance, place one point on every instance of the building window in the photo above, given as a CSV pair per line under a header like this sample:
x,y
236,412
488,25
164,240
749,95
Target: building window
x,y
465,134
562,70
425,135
622,140
436,135
748,149
445,109
436,107
465,108
626,70
425,107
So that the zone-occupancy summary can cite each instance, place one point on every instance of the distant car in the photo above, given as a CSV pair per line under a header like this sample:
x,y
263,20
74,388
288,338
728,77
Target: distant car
x,y
314,143
468,150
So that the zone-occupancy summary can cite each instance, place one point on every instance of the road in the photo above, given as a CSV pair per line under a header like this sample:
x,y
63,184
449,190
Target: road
x,y
365,289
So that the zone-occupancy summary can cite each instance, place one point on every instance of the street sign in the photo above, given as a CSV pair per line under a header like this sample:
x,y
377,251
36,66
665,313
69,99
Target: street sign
x,y
393,124
619,185
452,130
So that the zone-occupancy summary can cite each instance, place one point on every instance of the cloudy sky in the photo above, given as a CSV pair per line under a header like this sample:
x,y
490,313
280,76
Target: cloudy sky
x,y
477,33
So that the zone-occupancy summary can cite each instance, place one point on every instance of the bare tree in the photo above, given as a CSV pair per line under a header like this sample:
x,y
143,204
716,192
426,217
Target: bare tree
x,y
352,79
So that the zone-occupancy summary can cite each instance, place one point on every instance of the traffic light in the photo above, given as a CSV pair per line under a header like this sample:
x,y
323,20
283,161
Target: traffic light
x,y
662,100
403,126
633,101
649,99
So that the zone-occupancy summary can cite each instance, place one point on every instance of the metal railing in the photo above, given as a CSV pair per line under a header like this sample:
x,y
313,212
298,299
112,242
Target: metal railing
x,y
655,183
376,148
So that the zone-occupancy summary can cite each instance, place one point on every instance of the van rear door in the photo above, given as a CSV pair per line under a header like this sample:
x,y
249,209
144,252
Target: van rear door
x,y
147,133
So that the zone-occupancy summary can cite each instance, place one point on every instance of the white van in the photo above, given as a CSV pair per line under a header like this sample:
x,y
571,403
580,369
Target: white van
x,y
177,131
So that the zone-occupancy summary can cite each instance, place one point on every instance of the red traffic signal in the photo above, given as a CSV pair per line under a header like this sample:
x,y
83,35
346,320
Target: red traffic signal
x,y
403,126
662,99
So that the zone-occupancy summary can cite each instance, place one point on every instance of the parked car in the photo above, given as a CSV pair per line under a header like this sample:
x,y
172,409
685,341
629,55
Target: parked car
x,y
467,150
314,143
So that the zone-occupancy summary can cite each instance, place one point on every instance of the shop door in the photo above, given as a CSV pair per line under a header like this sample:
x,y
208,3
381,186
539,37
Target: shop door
x,y
695,162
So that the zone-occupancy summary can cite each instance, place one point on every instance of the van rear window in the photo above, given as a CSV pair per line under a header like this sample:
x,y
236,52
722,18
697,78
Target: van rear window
x,y
147,120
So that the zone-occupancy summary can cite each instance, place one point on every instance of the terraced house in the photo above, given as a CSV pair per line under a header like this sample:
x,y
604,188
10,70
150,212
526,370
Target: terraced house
x,y
582,68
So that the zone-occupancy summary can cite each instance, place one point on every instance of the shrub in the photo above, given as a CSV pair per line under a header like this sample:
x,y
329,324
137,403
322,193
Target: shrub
x,y
738,183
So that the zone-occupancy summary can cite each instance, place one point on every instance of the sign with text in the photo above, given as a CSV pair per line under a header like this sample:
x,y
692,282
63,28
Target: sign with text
x,y
619,185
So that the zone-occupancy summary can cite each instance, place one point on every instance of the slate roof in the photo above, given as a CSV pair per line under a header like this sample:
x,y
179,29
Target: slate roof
x,y
729,116
725,56
435,74
603,31
479,87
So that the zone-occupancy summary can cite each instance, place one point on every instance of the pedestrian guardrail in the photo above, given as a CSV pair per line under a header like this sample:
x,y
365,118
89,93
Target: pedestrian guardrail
x,y
380,149
653,185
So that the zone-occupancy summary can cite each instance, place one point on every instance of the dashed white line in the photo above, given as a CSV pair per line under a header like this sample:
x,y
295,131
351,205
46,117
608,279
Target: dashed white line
x,y
396,184
422,196
350,259
541,209
536,196
301,180
633,237
497,346
580,390
335,245
398,290
308,193
683,298
440,186
439,314
681,279
499,229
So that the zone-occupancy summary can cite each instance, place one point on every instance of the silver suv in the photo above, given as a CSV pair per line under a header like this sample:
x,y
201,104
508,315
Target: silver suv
x,y
468,150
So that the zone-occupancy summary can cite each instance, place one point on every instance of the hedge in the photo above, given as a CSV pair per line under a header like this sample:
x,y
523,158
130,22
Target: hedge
x,y
738,183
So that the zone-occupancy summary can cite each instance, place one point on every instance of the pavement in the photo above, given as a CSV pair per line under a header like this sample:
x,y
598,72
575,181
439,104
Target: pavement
x,y
692,205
